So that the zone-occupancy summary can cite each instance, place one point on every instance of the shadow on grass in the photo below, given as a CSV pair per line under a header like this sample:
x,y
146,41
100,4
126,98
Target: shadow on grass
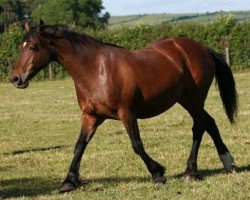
x,y
35,150
202,174
5,168
117,179
29,187
35,187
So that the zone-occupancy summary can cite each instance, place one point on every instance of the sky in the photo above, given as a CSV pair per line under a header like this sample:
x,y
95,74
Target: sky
x,y
130,7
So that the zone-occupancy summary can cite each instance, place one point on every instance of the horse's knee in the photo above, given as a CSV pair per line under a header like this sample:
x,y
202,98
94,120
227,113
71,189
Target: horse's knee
x,y
136,149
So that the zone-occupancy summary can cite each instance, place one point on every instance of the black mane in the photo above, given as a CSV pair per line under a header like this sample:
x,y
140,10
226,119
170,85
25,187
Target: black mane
x,y
73,37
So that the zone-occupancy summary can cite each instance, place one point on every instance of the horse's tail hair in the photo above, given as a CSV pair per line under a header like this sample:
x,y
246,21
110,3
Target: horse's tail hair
x,y
226,83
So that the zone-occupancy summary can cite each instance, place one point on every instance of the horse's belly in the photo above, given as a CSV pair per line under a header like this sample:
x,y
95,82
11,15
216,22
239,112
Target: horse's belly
x,y
151,111
157,105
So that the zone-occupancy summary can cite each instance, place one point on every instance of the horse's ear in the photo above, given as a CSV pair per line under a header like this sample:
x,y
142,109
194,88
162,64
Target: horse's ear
x,y
41,22
41,27
26,26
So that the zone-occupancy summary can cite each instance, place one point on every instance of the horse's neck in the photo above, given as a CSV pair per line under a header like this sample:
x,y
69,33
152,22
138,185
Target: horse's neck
x,y
78,62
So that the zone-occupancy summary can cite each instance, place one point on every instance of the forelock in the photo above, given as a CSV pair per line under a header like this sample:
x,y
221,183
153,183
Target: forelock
x,y
31,34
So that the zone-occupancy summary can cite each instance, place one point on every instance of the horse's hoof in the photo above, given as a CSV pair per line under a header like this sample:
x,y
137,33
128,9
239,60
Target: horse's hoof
x,y
159,179
67,187
228,162
190,177
232,171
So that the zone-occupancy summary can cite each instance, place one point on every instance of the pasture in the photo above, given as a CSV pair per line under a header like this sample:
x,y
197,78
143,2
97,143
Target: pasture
x,y
40,125
114,21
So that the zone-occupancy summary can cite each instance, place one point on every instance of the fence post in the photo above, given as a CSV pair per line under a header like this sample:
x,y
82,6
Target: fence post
x,y
227,56
50,72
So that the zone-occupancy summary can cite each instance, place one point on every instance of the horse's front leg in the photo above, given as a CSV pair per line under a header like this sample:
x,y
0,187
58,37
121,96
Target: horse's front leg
x,y
89,126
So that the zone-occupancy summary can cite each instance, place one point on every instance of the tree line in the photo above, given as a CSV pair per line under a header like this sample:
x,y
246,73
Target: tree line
x,y
83,13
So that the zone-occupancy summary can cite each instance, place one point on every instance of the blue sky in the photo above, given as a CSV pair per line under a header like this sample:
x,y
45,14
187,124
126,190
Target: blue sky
x,y
128,7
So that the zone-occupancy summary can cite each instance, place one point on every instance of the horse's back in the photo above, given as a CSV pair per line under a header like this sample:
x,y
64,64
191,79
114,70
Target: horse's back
x,y
193,56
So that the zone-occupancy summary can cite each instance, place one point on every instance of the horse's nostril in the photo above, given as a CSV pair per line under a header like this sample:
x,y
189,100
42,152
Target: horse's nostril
x,y
16,80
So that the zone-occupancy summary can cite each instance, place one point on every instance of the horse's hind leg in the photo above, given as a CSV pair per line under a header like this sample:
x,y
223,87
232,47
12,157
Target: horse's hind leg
x,y
194,105
130,122
203,122
225,157
198,131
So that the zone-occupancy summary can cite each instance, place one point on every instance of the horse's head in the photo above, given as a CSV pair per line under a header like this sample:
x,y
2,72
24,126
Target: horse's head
x,y
35,54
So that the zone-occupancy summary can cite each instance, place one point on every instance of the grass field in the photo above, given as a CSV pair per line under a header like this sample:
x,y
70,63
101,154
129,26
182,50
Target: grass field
x,y
39,127
115,21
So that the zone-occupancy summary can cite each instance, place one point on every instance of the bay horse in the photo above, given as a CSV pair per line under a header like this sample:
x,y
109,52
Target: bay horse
x,y
114,83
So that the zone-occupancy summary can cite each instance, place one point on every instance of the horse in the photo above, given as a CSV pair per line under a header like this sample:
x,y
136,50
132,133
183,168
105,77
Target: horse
x,y
112,82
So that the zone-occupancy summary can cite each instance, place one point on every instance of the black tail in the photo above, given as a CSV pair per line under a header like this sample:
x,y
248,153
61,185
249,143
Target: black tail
x,y
226,85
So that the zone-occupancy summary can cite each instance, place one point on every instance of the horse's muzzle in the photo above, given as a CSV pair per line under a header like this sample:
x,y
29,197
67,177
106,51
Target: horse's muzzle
x,y
18,82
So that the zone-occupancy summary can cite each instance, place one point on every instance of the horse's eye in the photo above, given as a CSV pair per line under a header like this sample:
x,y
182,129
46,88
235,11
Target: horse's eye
x,y
33,48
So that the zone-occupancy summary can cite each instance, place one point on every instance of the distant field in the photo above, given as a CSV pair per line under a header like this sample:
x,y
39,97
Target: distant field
x,y
39,127
173,18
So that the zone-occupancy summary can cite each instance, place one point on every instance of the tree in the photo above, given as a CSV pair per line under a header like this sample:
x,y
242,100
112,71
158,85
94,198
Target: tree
x,y
9,46
30,5
53,12
84,13
12,11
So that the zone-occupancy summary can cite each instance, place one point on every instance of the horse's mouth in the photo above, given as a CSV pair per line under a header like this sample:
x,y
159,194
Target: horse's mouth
x,y
23,85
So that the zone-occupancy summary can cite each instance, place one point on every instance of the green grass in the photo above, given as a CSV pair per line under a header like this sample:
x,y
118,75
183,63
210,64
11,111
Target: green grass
x,y
39,127
115,21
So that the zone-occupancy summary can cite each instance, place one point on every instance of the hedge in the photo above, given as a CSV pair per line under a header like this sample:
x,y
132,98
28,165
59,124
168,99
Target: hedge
x,y
223,32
